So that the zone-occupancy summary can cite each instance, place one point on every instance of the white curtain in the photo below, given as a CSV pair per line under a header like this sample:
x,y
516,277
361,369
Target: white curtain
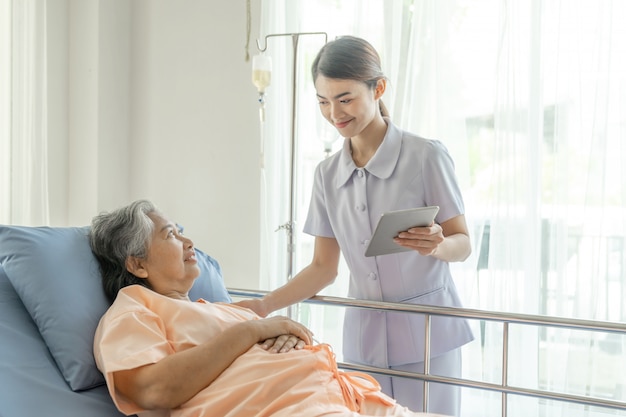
x,y
5,106
23,139
530,98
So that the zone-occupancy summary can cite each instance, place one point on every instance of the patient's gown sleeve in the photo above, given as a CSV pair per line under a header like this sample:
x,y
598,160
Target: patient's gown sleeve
x,y
129,340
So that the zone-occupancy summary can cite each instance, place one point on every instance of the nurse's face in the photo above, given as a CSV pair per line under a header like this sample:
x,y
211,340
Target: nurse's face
x,y
170,266
348,105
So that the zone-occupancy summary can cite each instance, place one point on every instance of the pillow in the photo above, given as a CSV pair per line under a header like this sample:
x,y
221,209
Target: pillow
x,y
56,276
210,284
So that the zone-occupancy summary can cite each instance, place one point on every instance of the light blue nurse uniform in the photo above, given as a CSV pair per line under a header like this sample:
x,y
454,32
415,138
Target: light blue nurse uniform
x,y
347,201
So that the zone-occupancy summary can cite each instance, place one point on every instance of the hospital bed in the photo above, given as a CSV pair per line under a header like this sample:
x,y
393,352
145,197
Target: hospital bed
x,y
51,300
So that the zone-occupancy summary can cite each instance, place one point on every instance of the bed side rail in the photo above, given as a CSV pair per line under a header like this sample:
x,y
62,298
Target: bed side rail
x,y
505,319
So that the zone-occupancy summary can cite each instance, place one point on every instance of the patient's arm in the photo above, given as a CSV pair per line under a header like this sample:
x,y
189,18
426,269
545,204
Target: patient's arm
x,y
177,378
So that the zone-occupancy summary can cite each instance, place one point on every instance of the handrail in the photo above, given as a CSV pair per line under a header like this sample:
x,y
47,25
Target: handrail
x,y
502,317
516,318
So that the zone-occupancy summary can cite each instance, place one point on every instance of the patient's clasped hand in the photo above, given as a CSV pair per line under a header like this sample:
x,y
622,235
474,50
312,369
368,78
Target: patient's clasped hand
x,y
164,354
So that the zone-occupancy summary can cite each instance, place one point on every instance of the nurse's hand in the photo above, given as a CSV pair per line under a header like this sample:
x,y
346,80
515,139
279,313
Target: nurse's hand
x,y
424,240
448,241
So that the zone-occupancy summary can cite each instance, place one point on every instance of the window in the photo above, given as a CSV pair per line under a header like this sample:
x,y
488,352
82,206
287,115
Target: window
x,y
529,98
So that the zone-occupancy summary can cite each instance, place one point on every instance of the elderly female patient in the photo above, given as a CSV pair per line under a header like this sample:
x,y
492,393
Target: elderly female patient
x,y
163,354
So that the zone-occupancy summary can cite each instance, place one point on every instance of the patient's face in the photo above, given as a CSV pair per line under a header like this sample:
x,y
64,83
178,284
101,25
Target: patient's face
x,y
171,265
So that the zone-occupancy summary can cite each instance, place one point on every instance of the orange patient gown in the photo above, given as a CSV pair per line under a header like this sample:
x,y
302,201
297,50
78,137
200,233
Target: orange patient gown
x,y
143,327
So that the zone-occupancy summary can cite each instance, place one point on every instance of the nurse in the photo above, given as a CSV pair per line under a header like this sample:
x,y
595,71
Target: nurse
x,y
382,168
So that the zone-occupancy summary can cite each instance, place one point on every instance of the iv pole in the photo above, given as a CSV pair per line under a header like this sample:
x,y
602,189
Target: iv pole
x,y
289,226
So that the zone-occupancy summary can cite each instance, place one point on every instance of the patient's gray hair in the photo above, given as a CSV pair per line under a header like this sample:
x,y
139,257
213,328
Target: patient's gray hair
x,y
117,235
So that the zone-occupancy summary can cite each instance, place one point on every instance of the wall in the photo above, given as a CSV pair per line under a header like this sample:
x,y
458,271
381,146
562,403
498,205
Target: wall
x,y
194,147
159,104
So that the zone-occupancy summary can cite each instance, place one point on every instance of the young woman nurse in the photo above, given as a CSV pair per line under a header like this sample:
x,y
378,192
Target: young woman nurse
x,y
382,168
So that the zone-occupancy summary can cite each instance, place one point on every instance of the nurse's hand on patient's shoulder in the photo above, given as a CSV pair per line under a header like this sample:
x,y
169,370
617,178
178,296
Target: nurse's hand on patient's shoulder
x,y
254,304
425,240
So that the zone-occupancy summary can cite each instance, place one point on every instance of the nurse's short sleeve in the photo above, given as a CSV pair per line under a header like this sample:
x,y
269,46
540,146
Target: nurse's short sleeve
x,y
440,182
317,222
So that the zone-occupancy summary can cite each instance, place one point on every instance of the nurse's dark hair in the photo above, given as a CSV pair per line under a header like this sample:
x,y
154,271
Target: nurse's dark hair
x,y
350,58
117,235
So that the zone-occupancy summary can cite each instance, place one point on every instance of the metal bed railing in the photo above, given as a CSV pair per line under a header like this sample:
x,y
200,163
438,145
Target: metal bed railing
x,y
504,318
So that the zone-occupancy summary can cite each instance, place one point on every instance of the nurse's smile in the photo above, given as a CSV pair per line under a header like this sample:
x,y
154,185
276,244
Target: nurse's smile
x,y
341,125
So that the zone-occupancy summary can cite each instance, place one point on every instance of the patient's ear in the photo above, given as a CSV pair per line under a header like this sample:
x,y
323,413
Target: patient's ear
x,y
134,265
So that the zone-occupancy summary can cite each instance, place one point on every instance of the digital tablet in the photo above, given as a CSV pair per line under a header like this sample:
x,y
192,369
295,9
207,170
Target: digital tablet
x,y
393,222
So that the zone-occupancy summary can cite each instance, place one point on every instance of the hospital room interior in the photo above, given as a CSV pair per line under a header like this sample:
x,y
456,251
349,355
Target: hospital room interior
x,y
208,109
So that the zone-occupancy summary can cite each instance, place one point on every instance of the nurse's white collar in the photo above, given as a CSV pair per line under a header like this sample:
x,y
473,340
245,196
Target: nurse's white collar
x,y
382,163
